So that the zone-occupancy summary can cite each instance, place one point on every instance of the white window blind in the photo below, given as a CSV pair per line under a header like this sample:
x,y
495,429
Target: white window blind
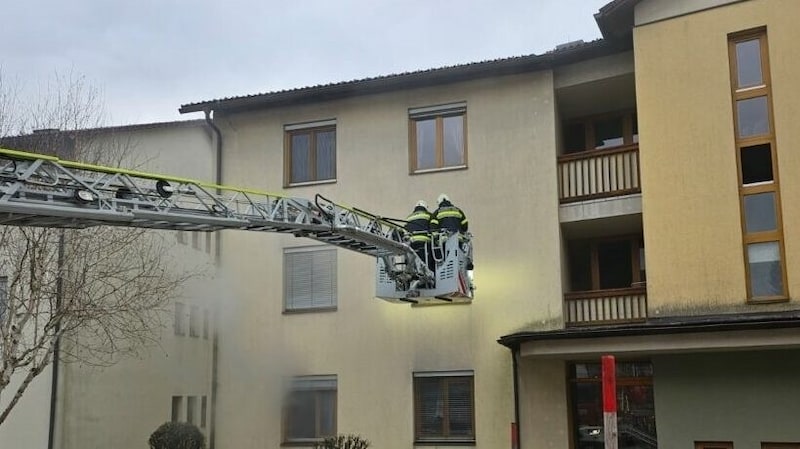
x,y
309,278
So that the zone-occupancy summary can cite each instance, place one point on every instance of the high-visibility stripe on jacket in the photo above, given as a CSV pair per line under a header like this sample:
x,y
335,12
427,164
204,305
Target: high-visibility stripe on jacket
x,y
418,225
450,218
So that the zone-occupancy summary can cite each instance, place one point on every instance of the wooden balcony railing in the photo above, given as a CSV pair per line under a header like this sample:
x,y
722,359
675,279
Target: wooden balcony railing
x,y
598,174
621,305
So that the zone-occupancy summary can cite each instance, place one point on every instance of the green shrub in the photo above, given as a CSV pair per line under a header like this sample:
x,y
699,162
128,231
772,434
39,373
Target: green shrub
x,y
343,442
177,435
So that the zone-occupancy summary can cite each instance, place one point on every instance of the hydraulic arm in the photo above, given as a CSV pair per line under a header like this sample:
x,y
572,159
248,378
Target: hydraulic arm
x,y
40,190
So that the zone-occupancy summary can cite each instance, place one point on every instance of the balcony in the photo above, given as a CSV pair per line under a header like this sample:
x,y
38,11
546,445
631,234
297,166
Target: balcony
x,y
612,306
594,174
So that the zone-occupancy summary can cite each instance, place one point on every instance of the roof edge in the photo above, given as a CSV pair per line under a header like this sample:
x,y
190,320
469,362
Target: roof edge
x,y
661,326
615,19
410,80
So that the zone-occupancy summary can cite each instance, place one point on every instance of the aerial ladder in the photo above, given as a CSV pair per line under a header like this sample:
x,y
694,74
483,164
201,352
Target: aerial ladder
x,y
42,190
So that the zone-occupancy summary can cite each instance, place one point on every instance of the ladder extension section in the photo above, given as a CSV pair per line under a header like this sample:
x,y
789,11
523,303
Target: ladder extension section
x,y
39,190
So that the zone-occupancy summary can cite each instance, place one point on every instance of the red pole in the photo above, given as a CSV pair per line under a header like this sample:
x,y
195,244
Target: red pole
x,y
514,433
610,401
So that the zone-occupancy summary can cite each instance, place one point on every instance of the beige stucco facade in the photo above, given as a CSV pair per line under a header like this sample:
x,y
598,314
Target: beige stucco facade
x,y
374,347
690,199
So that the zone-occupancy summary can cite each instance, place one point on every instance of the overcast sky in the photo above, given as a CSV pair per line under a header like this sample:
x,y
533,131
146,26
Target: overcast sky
x,y
150,56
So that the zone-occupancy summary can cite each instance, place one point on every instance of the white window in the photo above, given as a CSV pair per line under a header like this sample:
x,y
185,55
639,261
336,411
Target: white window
x,y
309,278
180,319
194,321
177,405
191,409
206,316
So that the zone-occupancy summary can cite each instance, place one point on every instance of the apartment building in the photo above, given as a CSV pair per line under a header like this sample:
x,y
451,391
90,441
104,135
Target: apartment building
x,y
76,405
628,196
297,366
624,199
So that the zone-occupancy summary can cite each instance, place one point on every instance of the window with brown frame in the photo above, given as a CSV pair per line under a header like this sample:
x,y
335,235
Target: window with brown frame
x,y
759,191
310,409
636,419
310,154
600,132
608,263
444,407
438,137
780,445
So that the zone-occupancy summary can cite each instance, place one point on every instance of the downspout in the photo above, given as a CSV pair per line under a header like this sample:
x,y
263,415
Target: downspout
x,y
51,428
215,338
515,370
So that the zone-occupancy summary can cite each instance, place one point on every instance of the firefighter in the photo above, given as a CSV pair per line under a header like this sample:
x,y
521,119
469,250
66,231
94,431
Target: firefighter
x,y
418,226
450,218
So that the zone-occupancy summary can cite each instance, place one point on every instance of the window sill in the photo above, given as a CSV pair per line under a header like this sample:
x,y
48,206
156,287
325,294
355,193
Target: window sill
x,y
309,310
444,443
304,443
767,300
437,170
310,183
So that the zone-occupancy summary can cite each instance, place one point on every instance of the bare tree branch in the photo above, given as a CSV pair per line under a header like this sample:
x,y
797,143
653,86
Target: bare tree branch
x,y
98,294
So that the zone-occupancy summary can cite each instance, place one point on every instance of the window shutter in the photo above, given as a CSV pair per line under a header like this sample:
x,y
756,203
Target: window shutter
x,y
444,406
430,407
324,279
440,110
459,400
310,278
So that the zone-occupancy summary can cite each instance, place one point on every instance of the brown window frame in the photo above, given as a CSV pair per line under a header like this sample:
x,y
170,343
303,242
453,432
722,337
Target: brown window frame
x,y
762,90
770,445
636,241
588,123
713,445
312,131
444,437
438,116
318,436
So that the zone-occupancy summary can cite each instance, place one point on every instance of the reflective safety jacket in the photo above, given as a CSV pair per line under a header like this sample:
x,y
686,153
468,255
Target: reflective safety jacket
x,y
450,218
418,225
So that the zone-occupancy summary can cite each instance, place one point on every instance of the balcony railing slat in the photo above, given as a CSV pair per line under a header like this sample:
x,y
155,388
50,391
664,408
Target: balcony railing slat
x,y
599,173
621,305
